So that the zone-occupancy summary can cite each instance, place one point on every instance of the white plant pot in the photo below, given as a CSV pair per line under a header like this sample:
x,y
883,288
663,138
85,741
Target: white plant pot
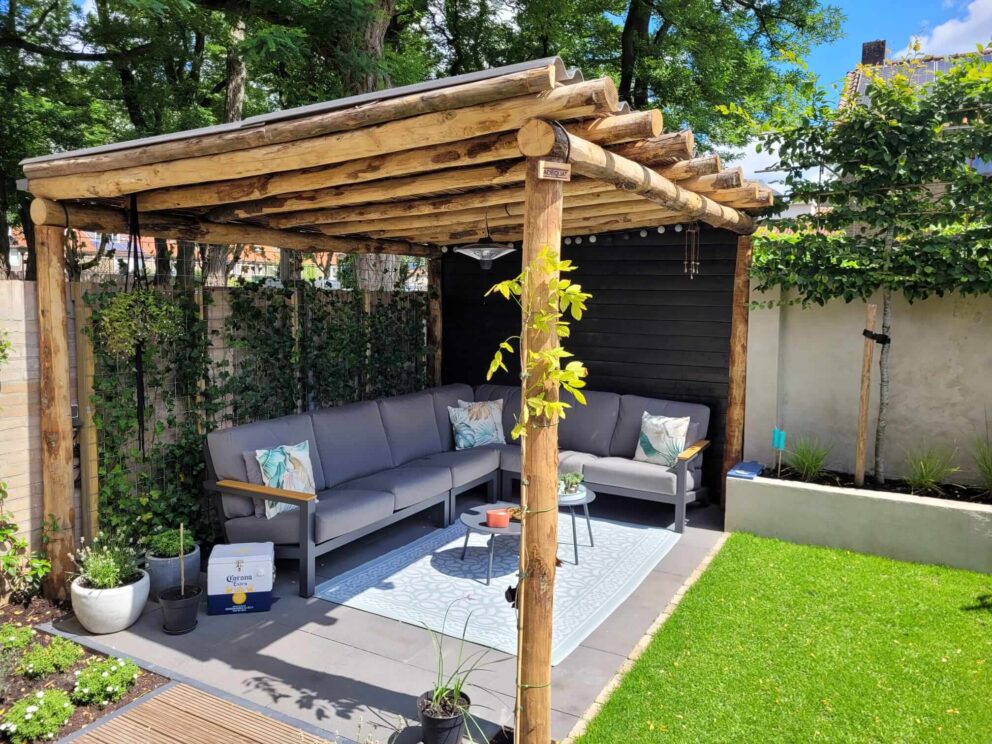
x,y
109,610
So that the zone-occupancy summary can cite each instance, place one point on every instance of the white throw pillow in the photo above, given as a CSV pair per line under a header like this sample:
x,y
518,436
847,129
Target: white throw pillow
x,y
287,466
662,439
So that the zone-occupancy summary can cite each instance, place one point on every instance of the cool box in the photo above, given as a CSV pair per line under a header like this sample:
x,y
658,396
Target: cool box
x,y
239,578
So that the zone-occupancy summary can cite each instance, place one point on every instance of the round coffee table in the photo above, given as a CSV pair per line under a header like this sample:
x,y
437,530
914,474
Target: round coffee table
x,y
587,498
475,520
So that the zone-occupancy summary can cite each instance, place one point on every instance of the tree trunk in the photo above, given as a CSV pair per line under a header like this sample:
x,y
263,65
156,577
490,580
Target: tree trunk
x,y
635,34
185,250
4,231
215,273
234,100
883,389
163,263
290,263
377,272
31,264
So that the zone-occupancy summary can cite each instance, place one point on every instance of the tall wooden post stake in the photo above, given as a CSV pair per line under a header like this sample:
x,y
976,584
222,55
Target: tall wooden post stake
x,y
56,414
866,357
539,476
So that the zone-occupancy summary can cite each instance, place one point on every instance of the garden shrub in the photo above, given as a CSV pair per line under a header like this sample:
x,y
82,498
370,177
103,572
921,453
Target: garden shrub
x,y
807,458
15,637
104,682
165,544
927,468
37,717
57,656
107,563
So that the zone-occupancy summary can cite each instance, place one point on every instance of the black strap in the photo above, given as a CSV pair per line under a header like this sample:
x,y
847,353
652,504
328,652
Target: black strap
x,y
878,338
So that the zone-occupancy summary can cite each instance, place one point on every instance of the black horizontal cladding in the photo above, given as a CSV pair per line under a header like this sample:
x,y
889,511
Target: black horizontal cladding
x,y
650,329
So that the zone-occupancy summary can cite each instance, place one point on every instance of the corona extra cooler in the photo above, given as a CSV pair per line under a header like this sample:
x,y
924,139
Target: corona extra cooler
x,y
239,578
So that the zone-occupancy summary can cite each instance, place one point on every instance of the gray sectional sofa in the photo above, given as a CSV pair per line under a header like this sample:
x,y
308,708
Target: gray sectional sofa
x,y
377,462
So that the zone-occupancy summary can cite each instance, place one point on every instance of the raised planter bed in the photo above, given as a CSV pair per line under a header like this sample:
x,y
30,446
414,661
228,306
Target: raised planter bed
x,y
895,525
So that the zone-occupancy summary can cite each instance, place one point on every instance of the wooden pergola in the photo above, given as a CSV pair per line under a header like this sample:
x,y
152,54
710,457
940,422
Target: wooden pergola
x,y
526,153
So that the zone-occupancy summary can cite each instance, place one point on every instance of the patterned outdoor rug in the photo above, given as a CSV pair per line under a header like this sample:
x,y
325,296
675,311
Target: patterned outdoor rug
x,y
420,582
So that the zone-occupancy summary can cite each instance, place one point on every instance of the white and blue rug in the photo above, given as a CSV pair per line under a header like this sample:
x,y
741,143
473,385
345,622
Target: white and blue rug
x,y
419,583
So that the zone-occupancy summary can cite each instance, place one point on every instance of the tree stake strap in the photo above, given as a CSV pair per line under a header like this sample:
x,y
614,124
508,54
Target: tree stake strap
x,y
878,338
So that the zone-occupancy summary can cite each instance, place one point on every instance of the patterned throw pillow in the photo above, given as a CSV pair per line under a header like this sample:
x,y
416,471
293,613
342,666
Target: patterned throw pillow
x,y
286,466
661,439
476,424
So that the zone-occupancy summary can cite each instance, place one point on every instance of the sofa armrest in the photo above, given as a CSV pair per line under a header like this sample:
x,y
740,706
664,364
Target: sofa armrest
x,y
693,450
237,488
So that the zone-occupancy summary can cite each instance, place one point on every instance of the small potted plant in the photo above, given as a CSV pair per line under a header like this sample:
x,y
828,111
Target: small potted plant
x,y
110,591
162,559
180,603
444,709
570,484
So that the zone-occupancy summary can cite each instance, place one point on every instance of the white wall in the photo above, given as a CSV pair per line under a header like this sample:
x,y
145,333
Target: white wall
x,y
804,368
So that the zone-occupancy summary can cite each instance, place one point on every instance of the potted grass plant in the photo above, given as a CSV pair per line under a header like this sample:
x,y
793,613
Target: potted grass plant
x,y
444,709
164,552
110,591
180,603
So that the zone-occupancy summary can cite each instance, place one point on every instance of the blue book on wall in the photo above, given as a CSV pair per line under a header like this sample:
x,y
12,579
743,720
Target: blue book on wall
x,y
747,470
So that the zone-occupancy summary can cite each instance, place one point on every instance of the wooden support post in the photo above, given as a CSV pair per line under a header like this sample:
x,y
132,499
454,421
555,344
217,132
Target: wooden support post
x,y
733,445
89,463
539,475
434,325
866,358
56,414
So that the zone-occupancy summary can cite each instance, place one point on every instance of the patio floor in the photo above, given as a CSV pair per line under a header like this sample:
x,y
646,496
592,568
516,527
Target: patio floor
x,y
336,670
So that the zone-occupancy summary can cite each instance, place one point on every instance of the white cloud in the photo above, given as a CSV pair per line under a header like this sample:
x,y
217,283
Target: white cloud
x,y
960,34
756,165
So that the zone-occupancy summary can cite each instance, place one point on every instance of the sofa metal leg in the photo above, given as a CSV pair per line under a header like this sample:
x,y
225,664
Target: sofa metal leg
x,y
308,550
506,486
447,509
680,516
492,488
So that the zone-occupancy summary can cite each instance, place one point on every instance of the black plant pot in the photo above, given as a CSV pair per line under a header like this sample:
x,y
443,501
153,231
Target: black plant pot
x,y
441,729
179,609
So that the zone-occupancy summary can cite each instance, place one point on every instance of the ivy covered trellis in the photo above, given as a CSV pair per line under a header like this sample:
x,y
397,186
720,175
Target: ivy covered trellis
x,y
280,351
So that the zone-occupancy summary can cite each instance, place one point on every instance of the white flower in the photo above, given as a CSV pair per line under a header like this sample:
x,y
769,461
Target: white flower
x,y
11,727
39,695
104,674
27,716
86,690
134,676
103,702
76,672
31,708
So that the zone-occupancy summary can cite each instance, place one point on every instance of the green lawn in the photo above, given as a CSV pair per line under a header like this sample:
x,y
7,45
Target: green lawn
x,y
789,643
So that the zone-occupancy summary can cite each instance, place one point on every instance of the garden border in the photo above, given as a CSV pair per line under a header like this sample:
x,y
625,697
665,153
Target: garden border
x,y
920,529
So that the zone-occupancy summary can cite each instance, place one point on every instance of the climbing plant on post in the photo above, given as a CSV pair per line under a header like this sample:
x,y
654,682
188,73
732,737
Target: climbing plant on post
x,y
901,207
544,297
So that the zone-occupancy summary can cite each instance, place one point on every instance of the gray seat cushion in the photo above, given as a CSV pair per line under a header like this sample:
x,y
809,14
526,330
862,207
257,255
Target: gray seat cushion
x,y
632,407
465,465
227,448
589,428
509,456
568,461
574,462
445,396
409,485
633,474
351,441
510,395
339,511
411,426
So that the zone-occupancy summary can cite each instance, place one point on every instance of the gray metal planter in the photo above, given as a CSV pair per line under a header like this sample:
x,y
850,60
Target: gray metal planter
x,y
164,572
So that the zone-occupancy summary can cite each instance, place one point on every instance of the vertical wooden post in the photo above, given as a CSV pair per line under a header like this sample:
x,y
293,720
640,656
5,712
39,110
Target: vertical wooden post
x,y
89,464
434,326
539,475
733,443
56,415
866,357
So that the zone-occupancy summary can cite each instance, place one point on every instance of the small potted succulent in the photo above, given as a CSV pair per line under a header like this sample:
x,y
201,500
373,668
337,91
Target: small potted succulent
x,y
444,709
570,484
110,591
180,603
162,551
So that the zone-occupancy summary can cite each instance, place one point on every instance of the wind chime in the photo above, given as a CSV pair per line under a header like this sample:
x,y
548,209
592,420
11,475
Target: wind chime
x,y
136,279
690,264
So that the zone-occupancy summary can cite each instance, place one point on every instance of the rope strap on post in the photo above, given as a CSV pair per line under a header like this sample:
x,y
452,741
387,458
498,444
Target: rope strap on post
x,y
878,338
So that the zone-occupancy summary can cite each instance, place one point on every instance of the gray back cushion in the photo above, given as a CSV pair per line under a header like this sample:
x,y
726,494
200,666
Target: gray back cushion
x,y
227,447
351,441
632,407
411,426
444,396
589,428
510,395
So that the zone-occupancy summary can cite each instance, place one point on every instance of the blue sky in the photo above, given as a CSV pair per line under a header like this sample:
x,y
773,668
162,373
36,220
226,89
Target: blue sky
x,y
941,26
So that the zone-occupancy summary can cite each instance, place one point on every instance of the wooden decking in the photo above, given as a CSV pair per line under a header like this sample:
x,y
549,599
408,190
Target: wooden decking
x,y
184,715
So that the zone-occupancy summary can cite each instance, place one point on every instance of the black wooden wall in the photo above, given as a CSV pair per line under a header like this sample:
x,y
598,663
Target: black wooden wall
x,y
650,329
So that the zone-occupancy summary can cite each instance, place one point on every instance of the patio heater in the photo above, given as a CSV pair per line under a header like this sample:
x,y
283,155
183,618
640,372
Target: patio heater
x,y
486,250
